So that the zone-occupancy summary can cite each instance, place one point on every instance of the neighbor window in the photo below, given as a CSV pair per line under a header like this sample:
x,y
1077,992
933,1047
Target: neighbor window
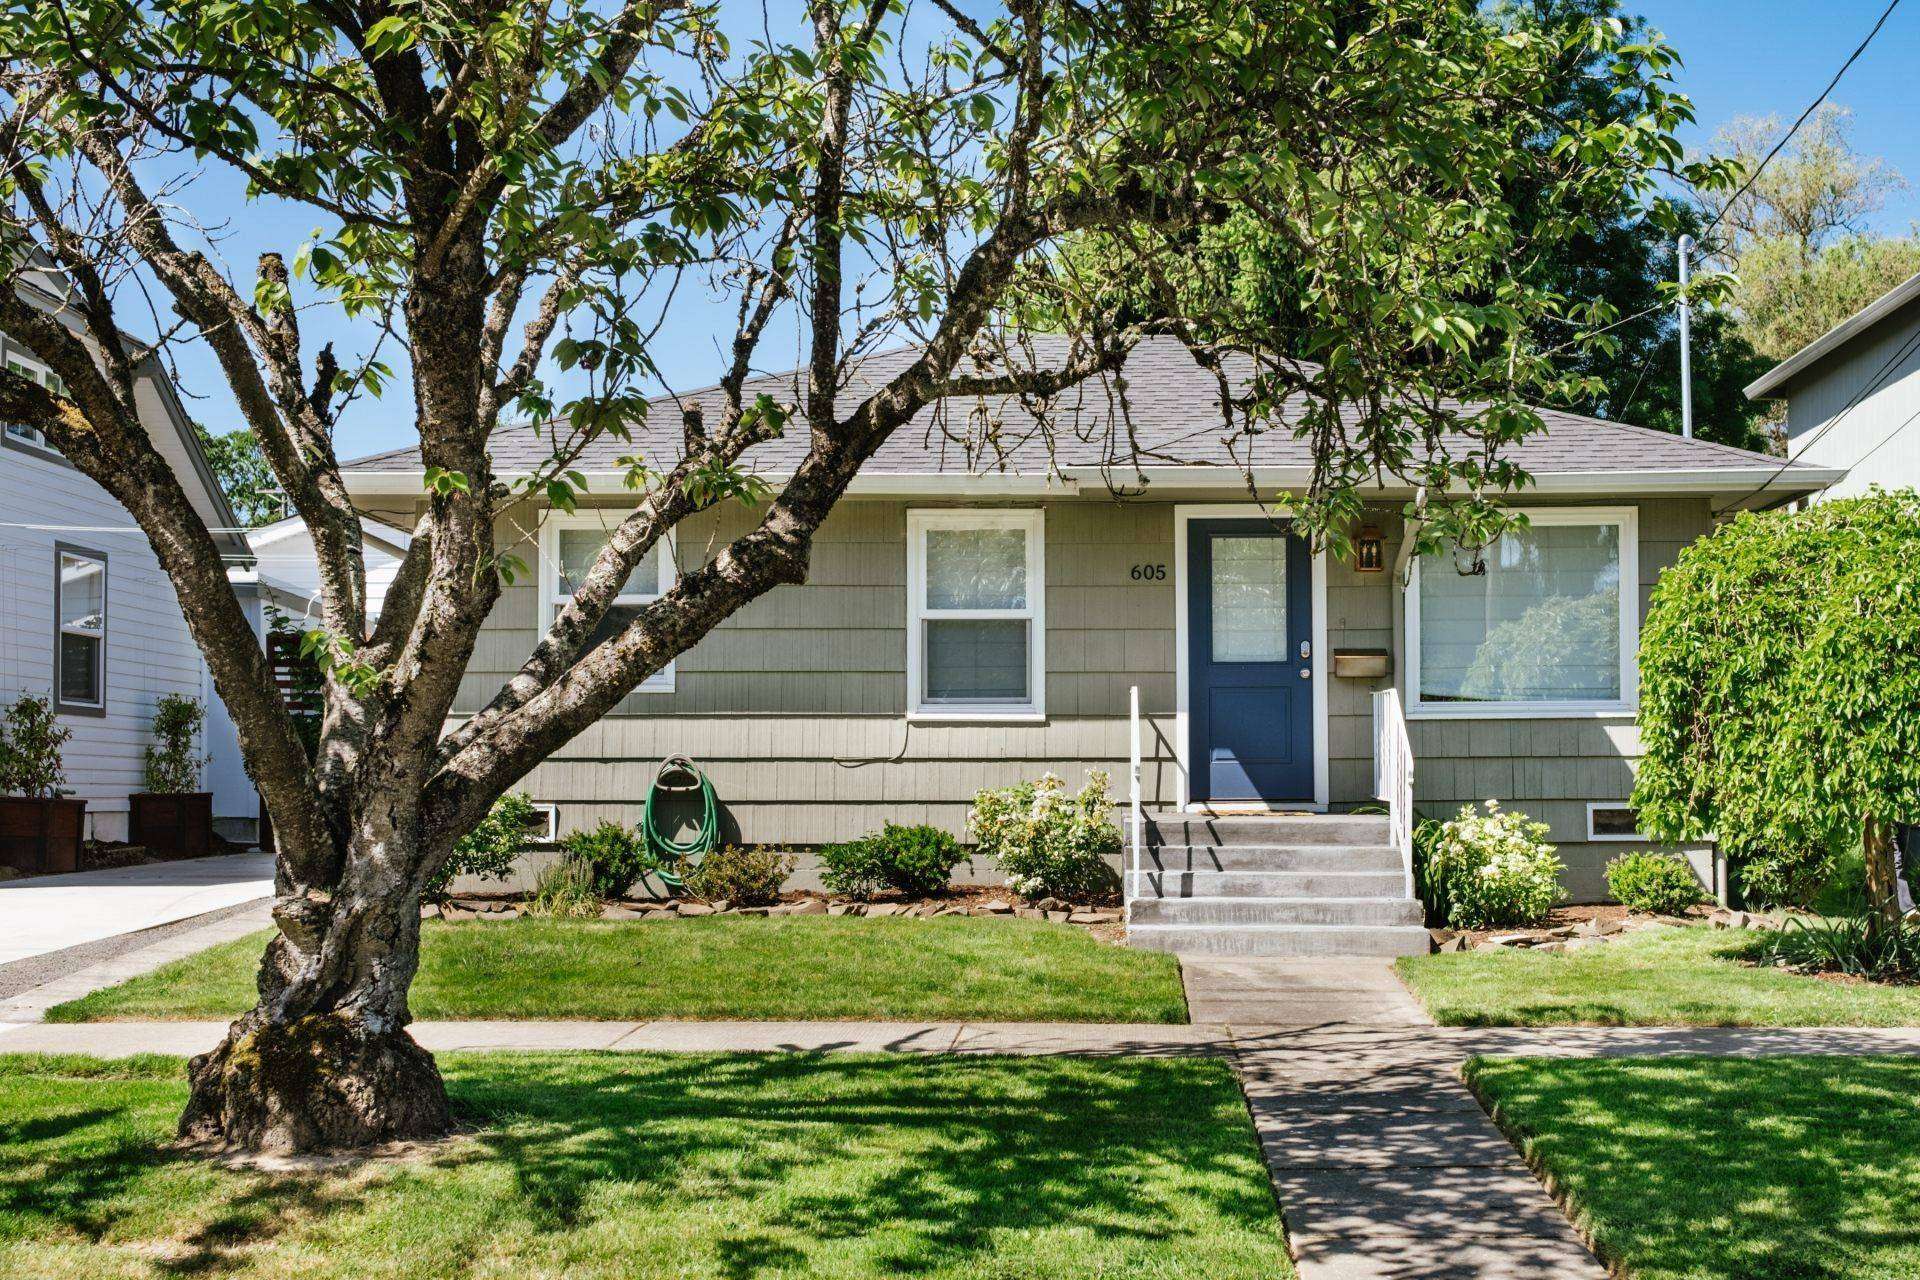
x,y
27,367
1547,622
80,617
569,545
975,591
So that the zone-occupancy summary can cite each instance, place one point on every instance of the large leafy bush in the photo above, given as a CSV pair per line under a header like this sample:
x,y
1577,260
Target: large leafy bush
x,y
1492,869
1780,692
489,849
1047,842
1647,881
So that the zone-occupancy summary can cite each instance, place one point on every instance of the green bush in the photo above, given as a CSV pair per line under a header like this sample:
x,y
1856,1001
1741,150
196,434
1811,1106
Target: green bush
x,y
744,877
489,849
1780,690
31,739
1049,843
1657,882
616,855
567,890
1492,870
1431,889
172,765
916,860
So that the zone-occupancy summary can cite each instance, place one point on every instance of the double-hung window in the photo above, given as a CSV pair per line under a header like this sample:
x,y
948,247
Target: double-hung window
x,y
1548,626
976,631
568,547
27,367
80,621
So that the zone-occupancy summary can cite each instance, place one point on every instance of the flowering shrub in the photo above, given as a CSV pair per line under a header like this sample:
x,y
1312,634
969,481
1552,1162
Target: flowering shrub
x,y
1492,869
1049,843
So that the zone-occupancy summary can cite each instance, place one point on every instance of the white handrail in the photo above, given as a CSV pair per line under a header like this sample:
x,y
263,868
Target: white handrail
x,y
1393,775
1133,799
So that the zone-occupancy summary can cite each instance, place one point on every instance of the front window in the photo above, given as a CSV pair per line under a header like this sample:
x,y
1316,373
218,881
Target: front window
x,y
27,367
975,590
80,610
1550,623
569,545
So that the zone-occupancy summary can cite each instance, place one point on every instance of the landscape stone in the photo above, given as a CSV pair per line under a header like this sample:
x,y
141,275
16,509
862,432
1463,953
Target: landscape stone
x,y
1511,940
884,909
839,909
611,912
1030,913
502,913
808,907
695,909
998,907
1059,916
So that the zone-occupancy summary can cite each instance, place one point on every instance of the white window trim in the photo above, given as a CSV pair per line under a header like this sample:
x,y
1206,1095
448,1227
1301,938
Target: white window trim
x,y
1638,837
661,681
1628,520
1033,522
62,553
20,362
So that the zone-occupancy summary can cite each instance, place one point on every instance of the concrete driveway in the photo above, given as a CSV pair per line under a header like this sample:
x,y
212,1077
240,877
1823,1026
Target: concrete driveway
x,y
52,913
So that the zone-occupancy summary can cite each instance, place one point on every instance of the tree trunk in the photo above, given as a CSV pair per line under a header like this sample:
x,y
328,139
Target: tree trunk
x,y
323,1062
1883,891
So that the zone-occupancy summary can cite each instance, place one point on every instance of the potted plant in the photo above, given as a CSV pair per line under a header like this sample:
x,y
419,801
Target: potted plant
x,y
41,828
173,814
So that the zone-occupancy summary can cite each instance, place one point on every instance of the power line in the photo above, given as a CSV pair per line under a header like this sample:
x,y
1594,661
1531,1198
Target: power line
x,y
1811,108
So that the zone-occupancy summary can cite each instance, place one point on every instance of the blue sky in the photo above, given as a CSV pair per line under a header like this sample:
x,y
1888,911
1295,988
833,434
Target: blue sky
x,y
1754,58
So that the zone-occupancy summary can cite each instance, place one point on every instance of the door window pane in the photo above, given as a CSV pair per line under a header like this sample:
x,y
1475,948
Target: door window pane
x,y
1249,599
578,547
1542,624
976,569
977,660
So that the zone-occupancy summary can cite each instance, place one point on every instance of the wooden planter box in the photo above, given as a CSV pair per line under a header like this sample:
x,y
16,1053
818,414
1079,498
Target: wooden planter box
x,y
171,822
41,835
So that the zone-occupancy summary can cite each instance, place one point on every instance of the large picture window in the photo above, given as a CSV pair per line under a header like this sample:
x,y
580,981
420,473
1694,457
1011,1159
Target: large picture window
x,y
568,546
975,627
1549,626
80,630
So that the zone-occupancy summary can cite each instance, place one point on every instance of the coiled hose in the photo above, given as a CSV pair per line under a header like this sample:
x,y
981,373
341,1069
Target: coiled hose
x,y
674,859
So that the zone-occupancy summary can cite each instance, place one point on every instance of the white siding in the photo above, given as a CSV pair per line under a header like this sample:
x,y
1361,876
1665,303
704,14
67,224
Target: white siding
x,y
148,651
1878,439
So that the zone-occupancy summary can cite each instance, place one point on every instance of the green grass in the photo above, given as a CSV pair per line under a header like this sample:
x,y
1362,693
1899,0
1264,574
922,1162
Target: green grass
x,y
685,1166
1658,977
1763,1169
796,967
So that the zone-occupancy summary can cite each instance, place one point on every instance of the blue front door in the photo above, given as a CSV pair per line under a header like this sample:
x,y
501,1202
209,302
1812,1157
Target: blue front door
x,y
1250,616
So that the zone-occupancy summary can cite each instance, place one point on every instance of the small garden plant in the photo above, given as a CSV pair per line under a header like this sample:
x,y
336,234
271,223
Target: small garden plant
x,y
172,764
744,877
915,860
567,890
1490,870
489,849
1047,842
614,855
31,739
1654,882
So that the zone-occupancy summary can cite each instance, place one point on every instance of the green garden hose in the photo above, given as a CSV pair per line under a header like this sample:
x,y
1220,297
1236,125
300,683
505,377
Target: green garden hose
x,y
674,859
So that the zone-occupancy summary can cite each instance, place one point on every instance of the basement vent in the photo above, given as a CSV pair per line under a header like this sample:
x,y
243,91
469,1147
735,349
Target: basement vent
x,y
1613,820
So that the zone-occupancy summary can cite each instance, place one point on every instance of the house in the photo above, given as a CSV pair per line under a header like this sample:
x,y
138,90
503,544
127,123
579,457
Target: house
x,y
1853,395
88,617
973,620
288,573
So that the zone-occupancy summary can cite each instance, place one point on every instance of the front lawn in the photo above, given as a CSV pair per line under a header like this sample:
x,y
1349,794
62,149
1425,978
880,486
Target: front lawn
x,y
645,1165
1761,1168
1657,977
746,967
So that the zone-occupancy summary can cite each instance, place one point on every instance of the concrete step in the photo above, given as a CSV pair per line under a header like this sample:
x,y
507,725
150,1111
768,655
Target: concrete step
x,y
1191,911
1271,857
1282,939
1270,884
1276,829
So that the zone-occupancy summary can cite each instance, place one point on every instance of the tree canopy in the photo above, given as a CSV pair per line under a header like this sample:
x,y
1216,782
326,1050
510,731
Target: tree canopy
x,y
1780,689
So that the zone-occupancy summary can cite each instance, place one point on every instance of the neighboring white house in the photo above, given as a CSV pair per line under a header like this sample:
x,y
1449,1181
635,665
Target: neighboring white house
x,y
1853,395
289,574
86,614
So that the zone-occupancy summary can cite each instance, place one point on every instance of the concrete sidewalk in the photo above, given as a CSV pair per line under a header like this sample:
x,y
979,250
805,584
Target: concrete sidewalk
x,y
51,913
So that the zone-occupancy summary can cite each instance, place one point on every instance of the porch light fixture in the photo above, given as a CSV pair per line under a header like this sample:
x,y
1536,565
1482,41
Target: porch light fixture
x,y
1370,550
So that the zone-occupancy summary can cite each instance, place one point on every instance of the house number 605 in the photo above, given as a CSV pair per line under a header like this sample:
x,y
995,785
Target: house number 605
x,y
1149,573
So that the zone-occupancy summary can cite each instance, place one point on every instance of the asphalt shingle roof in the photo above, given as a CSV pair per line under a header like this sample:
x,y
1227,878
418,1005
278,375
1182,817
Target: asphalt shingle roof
x,y
1172,404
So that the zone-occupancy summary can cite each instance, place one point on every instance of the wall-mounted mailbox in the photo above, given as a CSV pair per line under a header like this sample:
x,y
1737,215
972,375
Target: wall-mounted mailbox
x,y
1362,664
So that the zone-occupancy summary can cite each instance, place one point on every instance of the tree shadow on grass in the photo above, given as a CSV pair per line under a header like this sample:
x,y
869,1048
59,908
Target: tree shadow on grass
x,y
895,1164
1767,1168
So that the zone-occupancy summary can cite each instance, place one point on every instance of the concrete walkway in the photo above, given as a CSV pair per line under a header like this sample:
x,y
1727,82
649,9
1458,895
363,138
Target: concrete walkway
x,y
51,913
